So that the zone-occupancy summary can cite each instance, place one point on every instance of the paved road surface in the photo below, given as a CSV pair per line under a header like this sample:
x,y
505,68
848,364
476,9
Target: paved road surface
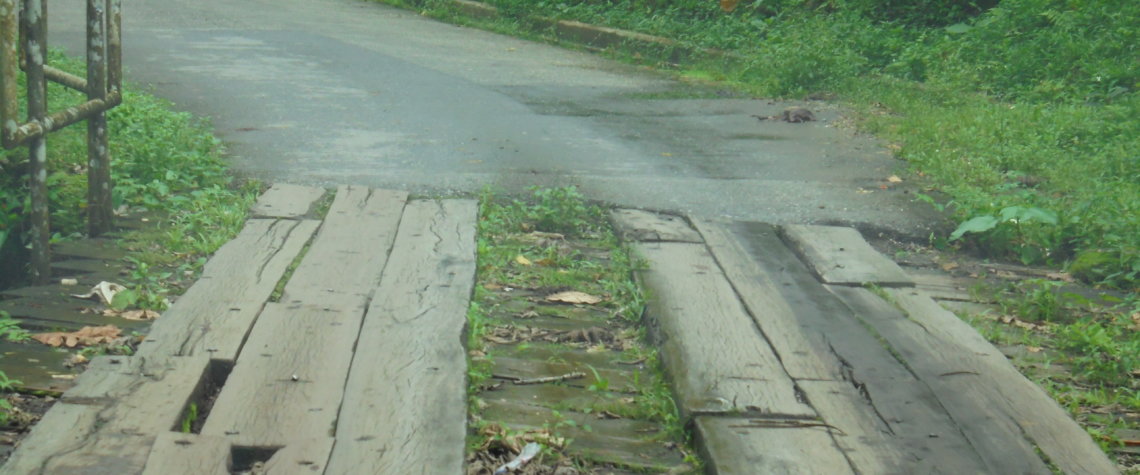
x,y
342,91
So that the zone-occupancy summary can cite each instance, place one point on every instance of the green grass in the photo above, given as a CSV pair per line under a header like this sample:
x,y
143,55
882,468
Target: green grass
x,y
551,240
1030,104
164,162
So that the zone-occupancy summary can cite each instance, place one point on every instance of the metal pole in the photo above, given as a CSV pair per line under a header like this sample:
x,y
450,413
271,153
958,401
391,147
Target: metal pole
x,y
9,67
99,212
35,23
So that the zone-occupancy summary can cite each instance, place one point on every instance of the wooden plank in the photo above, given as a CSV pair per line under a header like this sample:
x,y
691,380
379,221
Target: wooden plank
x,y
53,315
215,315
286,201
865,438
631,443
54,434
130,409
719,360
954,374
998,385
261,404
739,445
301,457
839,255
405,403
175,453
819,338
349,253
639,225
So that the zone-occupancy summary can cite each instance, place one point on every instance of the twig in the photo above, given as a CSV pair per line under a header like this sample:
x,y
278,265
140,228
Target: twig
x,y
551,379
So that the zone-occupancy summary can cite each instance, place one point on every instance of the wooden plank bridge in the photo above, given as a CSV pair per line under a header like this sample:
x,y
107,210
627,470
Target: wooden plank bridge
x,y
336,346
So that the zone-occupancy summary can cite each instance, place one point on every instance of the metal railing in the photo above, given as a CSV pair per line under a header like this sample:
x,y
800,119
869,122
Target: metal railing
x,y
23,29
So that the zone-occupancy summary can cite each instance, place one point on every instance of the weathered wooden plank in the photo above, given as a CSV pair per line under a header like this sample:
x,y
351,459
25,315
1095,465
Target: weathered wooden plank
x,y
782,297
175,453
719,360
628,442
997,384
405,403
131,408
214,316
839,255
262,404
819,338
865,438
639,225
741,445
349,253
955,375
287,201
51,315
301,457
54,434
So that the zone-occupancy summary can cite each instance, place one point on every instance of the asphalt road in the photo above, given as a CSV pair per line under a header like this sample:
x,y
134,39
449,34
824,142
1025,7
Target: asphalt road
x,y
324,92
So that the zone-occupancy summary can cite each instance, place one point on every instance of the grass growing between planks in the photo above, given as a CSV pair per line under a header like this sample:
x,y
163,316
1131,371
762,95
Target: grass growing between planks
x,y
555,291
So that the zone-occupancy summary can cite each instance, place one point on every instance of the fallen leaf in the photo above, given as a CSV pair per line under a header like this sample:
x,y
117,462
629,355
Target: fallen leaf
x,y
1033,349
85,336
1061,276
523,261
573,297
103,291
728,5
140,315
894,179
68,281
545,262
949,266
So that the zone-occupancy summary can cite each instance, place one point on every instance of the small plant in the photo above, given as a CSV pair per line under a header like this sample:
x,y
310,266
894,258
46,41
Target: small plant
x,y
1016,229
189,418
10,328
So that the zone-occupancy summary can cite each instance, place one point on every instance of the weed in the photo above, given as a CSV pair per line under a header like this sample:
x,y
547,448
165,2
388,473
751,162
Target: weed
x,y
10,329
189,418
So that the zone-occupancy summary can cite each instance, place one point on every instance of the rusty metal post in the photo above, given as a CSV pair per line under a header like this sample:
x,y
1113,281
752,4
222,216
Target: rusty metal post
x,y
99,213
35,51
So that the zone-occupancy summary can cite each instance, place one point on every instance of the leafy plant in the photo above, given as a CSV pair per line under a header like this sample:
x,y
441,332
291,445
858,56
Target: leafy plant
x,y
10,329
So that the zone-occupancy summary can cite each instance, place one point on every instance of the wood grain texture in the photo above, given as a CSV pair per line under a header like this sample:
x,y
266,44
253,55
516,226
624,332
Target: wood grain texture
x,y
214,316
952,372
869,443
54,434
840,255
286,201
994,383
129,413
405,405
639,225
261,405
350,251
718,359
819,338
733,445
306,456
175,453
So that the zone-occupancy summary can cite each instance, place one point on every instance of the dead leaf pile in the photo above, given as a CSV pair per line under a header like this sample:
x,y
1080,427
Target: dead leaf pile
x,y
1024,325
86,336
141,315
500,438
510,334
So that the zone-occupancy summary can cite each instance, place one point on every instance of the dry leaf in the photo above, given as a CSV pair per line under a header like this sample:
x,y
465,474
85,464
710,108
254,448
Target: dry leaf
x,y
545,262
104,291
140,315
85,336
523,261
728,5
1033,349
949,266
492,286
573,297
894,179
1061,276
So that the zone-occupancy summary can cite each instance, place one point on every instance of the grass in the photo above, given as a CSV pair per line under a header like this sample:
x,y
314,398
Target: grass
x,y
165,164
551,241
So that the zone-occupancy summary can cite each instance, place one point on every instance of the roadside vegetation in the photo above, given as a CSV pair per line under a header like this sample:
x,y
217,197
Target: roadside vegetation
x,y
166,167
1021,119
555,291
